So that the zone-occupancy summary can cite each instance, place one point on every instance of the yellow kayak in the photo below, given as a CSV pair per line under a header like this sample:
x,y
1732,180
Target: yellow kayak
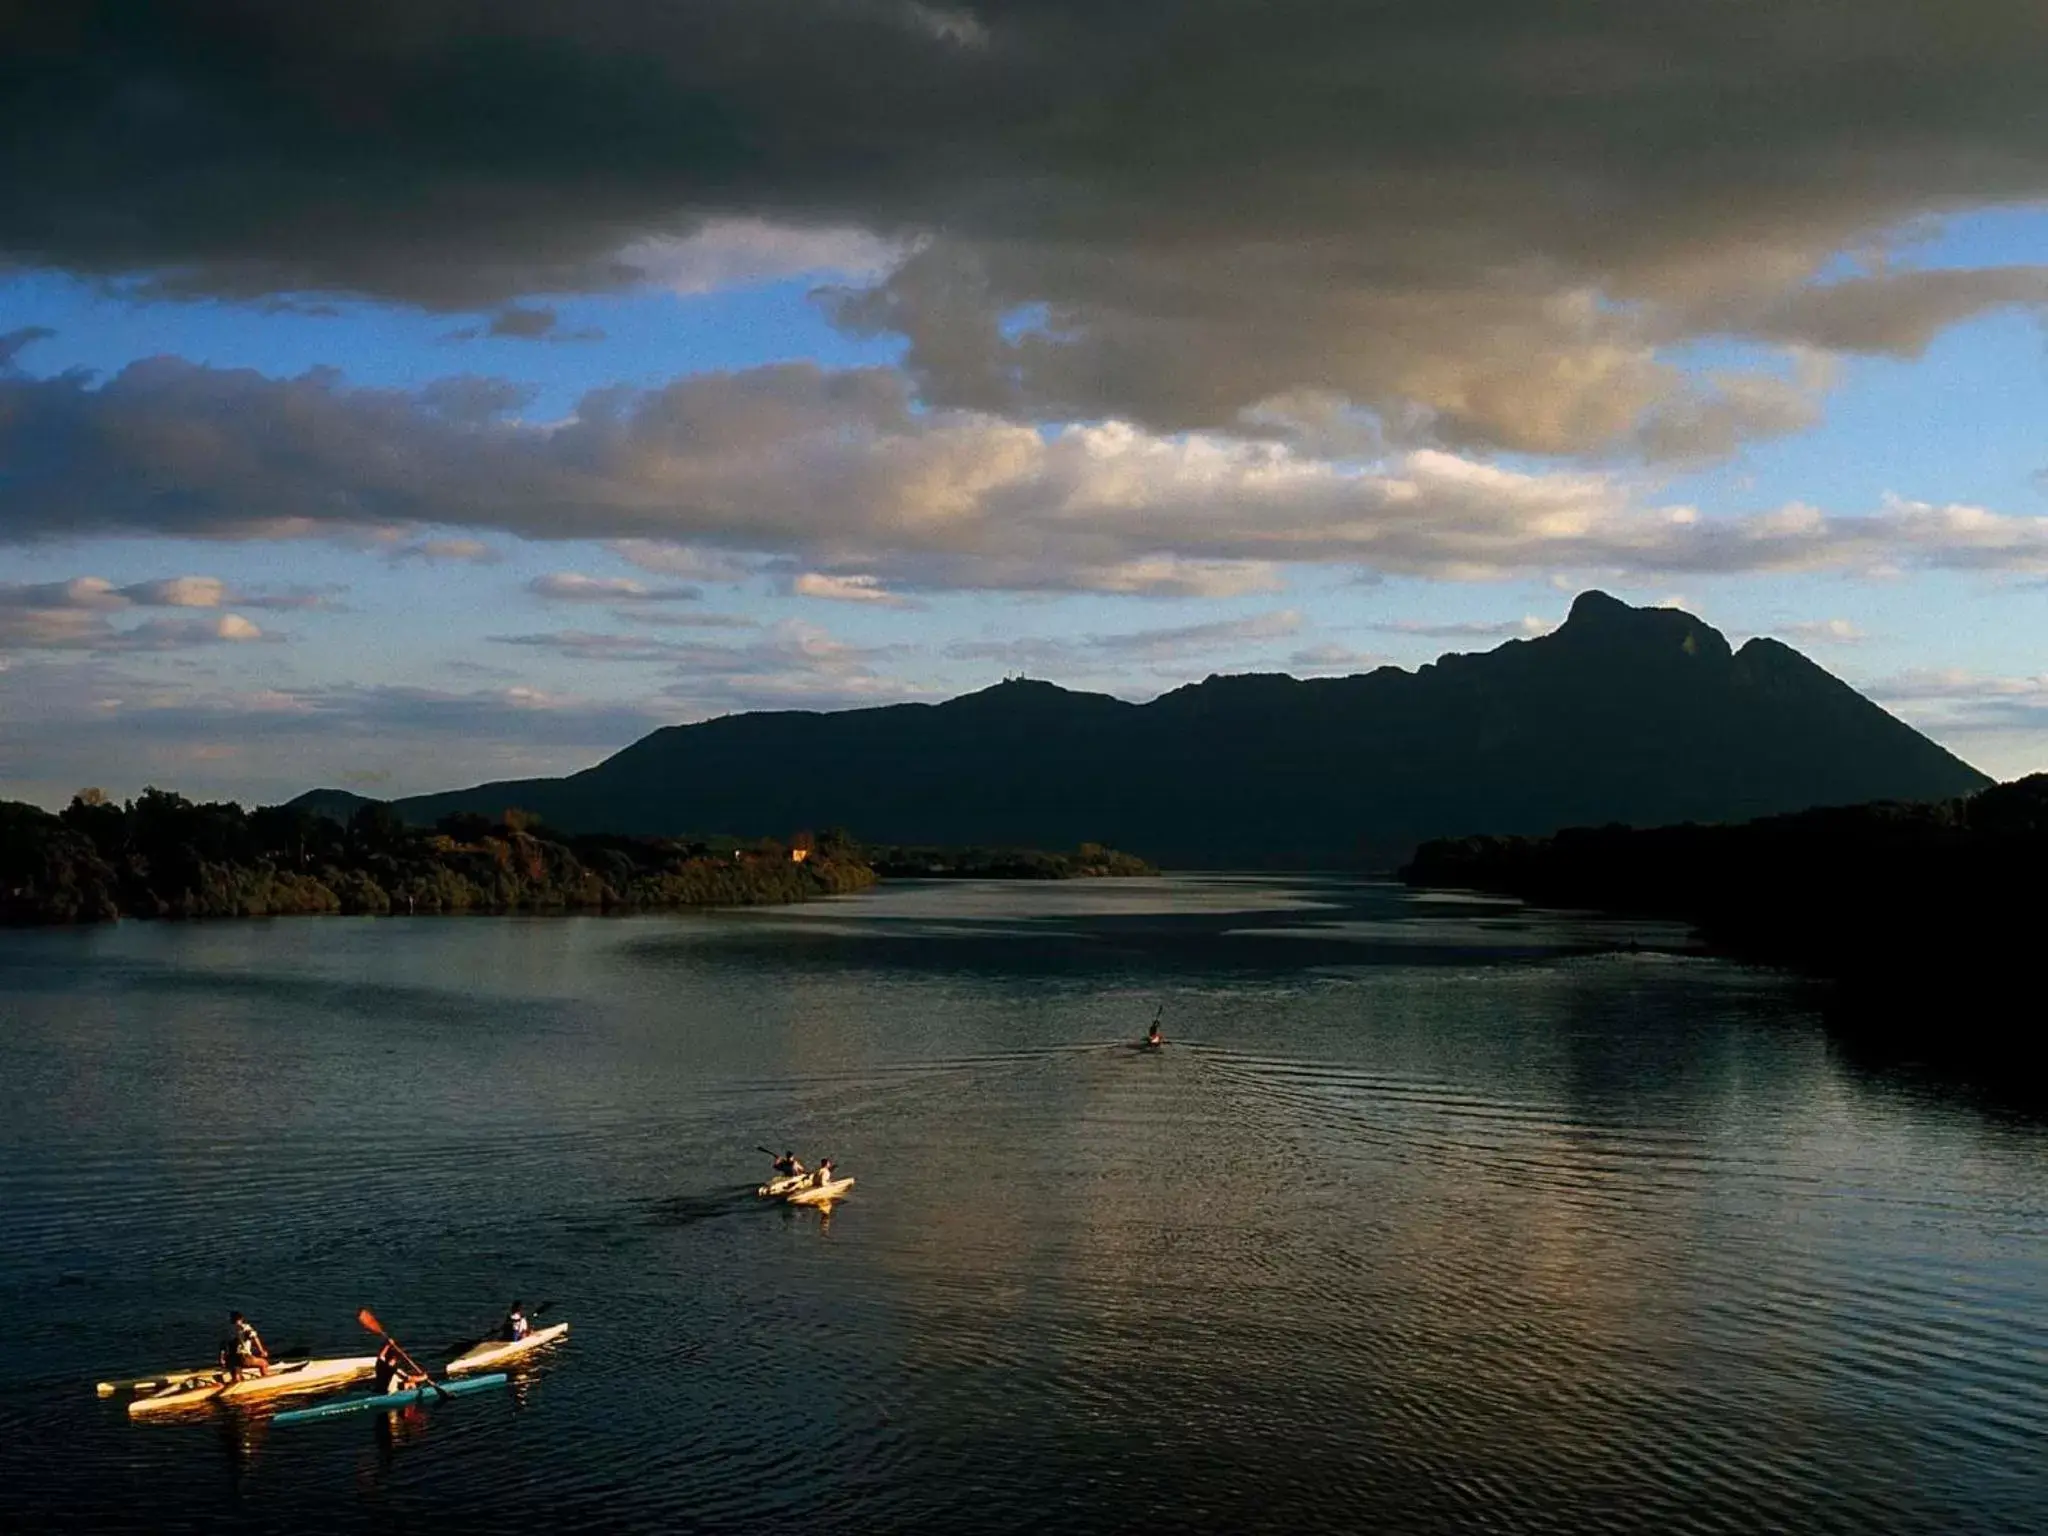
x,y
820,1194
498,1351
283,1377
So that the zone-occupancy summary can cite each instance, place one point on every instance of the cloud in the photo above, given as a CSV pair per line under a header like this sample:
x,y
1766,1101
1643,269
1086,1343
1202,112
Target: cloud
x,y
847,589
13,342
176,634
1526,627
665,558
78,630
587,645
745,252
669,618
1824,632
574,587
1895,313
796,666
526,321
1478,232
842,470
77,614
101,719
1335,658
1097,653
792,666
1957,704
439,551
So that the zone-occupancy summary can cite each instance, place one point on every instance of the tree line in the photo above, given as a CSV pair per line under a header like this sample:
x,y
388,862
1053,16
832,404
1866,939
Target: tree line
x,y
932,861
162,855
1926,915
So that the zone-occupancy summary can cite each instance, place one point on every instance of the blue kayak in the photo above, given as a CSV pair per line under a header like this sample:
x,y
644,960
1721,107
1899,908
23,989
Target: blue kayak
x,y
392,1399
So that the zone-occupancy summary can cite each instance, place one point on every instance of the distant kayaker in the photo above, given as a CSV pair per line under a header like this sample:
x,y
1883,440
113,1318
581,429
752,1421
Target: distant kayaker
x,y
1152,1035
515,1327
788,1166
824,1174
393,1374
244,1349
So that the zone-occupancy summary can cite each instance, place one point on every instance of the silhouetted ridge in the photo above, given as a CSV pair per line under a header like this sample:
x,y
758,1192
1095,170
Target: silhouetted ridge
x,y
1597,620
1634,715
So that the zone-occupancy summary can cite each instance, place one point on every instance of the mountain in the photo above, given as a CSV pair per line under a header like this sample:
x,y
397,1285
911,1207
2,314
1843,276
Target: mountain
x,y
334,804
1636,715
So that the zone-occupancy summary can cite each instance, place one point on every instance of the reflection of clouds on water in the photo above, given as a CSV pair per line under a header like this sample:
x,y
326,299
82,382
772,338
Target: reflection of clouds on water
x,y
1432,1215
1014,901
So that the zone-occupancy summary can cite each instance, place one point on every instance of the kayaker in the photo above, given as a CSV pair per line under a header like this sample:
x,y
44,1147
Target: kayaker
x,y
515,1326
788,1166
244,1349
393,1374
1152,1035
824,1174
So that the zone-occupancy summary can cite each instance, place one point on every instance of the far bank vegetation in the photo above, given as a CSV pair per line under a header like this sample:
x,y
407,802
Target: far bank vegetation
x,y
161,855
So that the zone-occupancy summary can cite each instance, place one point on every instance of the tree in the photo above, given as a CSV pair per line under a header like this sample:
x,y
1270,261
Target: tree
x,y
376,828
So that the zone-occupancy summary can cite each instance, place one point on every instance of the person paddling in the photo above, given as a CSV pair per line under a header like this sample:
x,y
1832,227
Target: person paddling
x,y
515,1327
244,1349
1152,1035
788,1166
393,1373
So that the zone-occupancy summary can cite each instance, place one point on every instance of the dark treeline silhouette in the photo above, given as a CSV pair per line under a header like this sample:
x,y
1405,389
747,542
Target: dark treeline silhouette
x,y
1640,715
1928,916
1089,861
161,855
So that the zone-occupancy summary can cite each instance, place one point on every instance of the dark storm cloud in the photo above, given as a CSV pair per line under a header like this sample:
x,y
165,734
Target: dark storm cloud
x,y
1476,219
523,320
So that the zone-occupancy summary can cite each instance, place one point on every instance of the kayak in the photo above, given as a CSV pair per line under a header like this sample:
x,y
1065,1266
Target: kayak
x,y
495,1351
433,1392
282,1379
783,1184
820,1194
154,1383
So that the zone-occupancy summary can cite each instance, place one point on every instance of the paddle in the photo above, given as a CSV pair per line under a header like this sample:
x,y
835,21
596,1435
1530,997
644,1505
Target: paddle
x,y
369,1320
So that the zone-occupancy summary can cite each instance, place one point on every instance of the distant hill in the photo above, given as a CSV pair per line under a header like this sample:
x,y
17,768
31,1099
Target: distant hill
x,y
334,804
1636,715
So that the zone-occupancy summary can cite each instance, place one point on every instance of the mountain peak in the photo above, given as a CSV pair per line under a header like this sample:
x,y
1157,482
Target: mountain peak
x,y
1593,606
1598,619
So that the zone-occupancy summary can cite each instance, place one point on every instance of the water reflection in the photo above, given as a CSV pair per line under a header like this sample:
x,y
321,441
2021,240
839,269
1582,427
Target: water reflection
x,y
1433,1216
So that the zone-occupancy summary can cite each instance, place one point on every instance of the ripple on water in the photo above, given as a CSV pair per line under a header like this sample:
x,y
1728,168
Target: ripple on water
x,y
1549,1245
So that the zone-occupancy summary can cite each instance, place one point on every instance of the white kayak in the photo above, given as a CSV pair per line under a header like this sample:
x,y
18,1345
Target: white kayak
x,y
154,1383
782,1184
498,1351
283,1378
820,1194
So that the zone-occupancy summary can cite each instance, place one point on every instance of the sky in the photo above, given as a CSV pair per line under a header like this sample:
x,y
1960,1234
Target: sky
x,y
400,396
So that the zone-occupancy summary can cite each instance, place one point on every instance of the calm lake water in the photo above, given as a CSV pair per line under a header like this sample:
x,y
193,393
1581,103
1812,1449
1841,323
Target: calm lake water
x,y
1430,1218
